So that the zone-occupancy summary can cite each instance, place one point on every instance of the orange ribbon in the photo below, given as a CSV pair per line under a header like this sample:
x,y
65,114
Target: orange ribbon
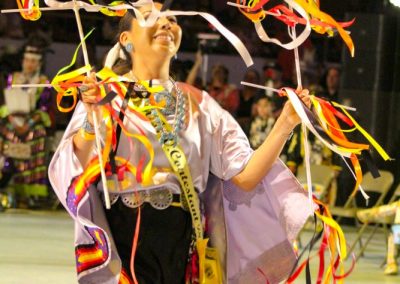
x,y
33,13
320,22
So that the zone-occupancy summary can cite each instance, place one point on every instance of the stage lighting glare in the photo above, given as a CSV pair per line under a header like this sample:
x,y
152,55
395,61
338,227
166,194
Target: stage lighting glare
x,y
395,3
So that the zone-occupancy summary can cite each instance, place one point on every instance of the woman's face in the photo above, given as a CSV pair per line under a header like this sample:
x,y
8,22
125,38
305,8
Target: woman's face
x,y
161,41
264,108
30,65
332,78
218,75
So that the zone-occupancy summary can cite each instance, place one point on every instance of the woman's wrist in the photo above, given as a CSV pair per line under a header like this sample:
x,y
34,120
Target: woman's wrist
x,y
284,126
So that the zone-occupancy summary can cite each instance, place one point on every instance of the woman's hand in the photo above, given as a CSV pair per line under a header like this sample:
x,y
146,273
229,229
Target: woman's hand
x,y
265,156
289,114
89,93
83,146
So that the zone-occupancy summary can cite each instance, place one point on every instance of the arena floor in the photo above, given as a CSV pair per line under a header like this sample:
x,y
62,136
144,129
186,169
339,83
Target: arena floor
x,y
36,247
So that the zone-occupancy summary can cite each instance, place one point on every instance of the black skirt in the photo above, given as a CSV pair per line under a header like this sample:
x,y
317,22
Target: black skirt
x,y
163,244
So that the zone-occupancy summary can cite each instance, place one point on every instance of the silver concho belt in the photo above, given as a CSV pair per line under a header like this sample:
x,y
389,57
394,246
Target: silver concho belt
x,y
158,198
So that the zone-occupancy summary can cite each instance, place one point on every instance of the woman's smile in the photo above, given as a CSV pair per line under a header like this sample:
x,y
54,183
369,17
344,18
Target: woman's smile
x,y
164,37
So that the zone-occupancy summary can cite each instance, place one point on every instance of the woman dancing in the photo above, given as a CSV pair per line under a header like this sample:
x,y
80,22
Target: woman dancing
x,y
251,205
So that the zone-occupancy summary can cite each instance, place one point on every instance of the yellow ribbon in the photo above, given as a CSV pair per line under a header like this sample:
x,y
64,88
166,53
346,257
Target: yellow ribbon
x,y
312,8
148,172
76,76
323,23
375,144
110,12
318,109
34,12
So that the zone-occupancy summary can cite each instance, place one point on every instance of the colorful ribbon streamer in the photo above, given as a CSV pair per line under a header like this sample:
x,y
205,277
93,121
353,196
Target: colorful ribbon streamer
x,y
323,123
333,241
109,12
319,21
29,9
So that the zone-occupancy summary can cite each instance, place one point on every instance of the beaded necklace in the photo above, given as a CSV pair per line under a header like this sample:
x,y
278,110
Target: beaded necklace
x,y
159,122
173,106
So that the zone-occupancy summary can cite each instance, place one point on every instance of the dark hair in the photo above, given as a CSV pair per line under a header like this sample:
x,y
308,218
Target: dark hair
x,y
122,66
326,73
260,97
221,69
255,72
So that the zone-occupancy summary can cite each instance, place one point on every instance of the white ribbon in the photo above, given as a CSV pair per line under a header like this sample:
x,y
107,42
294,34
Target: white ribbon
x,y
299,108
296,42
155,14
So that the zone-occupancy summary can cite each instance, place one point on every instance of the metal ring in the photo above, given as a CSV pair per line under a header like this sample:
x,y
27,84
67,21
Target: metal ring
x,y
134,199
113,198
161,199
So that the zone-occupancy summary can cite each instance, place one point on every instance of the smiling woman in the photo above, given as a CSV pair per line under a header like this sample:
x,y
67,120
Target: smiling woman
x,y
193,164
152,46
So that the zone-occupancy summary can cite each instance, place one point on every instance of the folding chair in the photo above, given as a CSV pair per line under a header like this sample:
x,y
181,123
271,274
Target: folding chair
x,y
385,222
379,186
321,178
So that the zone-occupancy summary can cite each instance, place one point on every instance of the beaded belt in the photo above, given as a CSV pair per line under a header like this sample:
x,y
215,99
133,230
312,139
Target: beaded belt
x,y
158,198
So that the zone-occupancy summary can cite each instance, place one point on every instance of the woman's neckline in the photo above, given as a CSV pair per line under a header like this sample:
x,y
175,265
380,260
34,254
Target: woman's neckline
x,y
167,84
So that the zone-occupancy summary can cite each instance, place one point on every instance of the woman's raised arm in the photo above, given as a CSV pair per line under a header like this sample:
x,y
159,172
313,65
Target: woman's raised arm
x,y
265,156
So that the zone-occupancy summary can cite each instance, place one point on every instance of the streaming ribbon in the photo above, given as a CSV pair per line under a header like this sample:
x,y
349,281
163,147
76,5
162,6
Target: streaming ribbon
x,y
31,9
332,237
311,16
109,12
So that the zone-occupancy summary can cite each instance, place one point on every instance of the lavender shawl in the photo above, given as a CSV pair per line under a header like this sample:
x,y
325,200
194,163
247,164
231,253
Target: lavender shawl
x,y
252,231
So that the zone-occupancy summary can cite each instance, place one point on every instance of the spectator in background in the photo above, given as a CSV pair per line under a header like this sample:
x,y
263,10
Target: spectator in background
x,y
262,124
330,84
273,77
24,119
247,96
227,95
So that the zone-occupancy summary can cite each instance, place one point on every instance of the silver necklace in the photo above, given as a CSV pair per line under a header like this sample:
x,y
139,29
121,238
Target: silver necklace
x,y
173,106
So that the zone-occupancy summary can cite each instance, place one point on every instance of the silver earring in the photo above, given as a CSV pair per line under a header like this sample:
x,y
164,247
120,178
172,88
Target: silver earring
x,y
129,47
176,56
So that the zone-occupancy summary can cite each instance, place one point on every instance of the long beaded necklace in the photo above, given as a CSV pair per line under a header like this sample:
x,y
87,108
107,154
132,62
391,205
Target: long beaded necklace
x,y
168,136
168,133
